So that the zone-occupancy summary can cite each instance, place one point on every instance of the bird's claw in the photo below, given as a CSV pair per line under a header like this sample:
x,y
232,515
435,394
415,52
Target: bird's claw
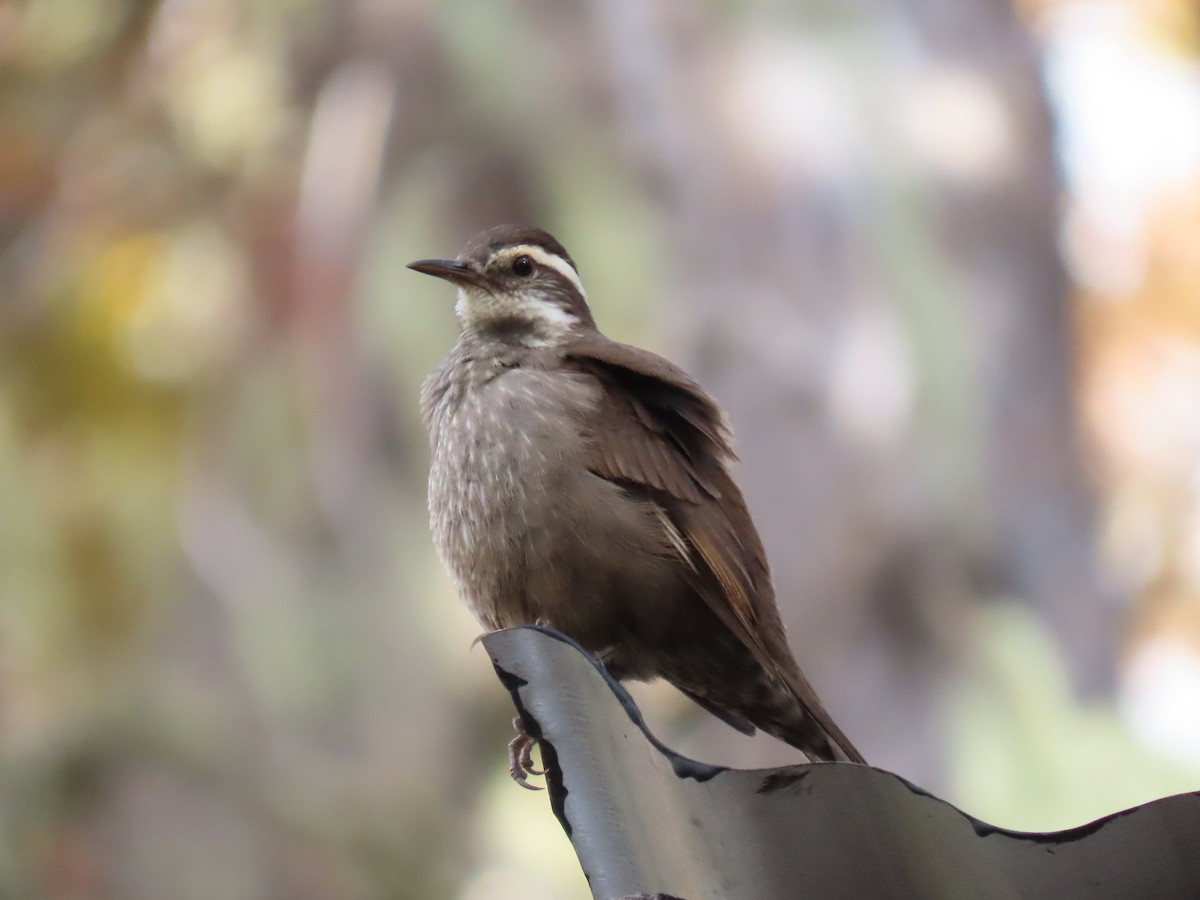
x,y
520,757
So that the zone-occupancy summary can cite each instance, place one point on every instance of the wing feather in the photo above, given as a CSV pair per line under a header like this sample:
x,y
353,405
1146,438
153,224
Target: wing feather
x,y
657,432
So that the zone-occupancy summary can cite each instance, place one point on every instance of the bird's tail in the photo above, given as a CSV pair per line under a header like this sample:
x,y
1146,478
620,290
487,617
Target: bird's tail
x,y
808,727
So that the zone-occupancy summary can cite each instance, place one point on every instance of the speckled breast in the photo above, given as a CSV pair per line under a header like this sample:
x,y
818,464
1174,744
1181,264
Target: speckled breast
x,y
500,447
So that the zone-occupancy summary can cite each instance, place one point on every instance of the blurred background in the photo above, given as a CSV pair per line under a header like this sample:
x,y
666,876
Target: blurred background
x,y
940,259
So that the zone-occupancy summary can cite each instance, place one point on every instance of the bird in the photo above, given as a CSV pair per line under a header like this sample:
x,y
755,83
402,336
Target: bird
x,y
585,484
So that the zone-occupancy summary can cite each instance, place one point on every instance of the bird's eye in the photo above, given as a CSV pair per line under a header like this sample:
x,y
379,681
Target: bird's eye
x,y
522,266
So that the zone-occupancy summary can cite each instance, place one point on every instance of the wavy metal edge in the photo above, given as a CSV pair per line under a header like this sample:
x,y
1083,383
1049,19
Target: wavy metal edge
x,y
646,821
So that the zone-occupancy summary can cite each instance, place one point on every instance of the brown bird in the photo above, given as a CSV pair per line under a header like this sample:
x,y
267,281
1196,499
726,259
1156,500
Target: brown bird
x,y
584,484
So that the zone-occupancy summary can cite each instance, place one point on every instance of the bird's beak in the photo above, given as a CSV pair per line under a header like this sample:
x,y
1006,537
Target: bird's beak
x,y
450,269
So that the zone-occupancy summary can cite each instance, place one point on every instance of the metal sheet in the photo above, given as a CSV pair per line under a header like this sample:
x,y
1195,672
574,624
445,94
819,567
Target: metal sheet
x,y
646,821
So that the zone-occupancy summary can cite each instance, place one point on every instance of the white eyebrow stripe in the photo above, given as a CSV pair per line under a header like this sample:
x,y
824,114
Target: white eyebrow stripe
x,y
551,261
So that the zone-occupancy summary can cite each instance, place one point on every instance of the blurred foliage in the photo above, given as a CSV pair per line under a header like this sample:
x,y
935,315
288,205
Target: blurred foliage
x,y
1029,756
229,662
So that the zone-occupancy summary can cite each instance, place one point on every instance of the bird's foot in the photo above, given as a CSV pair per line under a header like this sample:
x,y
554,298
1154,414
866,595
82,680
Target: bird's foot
x,y
520,757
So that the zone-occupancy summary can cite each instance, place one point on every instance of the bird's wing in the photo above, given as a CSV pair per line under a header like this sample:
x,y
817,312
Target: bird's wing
x,y
658,432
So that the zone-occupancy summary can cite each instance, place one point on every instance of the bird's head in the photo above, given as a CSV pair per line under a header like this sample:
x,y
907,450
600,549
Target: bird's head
x,y
517,282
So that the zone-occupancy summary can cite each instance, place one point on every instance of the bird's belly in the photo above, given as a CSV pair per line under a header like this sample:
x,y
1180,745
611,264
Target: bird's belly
x,y
530,535
480,492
